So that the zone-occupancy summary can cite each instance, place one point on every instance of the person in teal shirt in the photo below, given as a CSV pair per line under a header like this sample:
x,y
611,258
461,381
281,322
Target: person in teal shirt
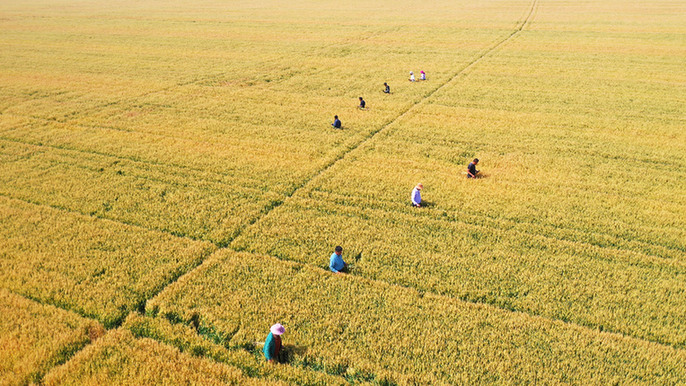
x,y
272,346
336,264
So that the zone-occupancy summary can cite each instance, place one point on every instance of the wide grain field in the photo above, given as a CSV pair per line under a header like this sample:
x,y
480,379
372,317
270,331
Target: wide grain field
x,y
171,186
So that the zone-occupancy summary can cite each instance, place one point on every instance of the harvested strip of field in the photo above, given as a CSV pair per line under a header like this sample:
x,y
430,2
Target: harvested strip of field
x,y
35,337
97,268
120,358
358,325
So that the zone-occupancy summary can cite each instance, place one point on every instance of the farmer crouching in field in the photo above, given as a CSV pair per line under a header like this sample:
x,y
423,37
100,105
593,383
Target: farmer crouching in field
x,y
363,104
471,169
387,88
336,263
416,195
336,122
272,346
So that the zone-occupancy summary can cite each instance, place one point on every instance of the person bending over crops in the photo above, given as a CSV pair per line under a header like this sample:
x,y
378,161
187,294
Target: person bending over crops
x,y
471,169
362,103
336,263
416,195
336,122
387,89
272,346
422,75
411,76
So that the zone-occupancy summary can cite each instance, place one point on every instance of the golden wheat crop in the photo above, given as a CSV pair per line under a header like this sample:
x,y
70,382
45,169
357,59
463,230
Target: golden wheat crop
x,y
186,338
36,337
120,358
98,268
138,138
399,334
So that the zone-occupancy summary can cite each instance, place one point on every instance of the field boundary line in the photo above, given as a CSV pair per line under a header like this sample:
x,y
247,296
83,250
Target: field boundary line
x,y
120,222
316,174
461,300
475,303
404,112
364,140
71,353
208,259
117,157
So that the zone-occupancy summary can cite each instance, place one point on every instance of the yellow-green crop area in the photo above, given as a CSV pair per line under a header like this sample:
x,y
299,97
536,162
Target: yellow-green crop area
x,y
171,186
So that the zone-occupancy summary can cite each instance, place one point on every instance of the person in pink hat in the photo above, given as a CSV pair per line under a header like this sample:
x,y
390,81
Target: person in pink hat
x,y
422,75
272,346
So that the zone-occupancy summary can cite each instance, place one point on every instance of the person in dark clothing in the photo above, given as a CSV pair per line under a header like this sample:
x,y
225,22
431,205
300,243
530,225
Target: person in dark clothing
x,y
336,122
362,103
388,88
471,169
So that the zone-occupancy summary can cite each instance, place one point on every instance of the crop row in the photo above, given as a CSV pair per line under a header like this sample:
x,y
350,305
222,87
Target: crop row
x,y
364,326
182,202
42,343
247,357
95,267
582,283
120,358
579,216
36,337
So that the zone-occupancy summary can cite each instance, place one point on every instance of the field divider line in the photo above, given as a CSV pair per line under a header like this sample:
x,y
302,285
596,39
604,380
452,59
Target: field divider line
x,y
369,137
404,112
328,166
101,218
364,140
208,258
464,300
114,156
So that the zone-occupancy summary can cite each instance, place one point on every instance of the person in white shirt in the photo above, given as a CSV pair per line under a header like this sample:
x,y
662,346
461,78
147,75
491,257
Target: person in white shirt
x,y
416,195
411,76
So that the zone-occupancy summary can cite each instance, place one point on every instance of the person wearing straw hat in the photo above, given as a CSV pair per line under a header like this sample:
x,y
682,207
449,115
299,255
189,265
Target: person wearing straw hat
x,y
272,346
416,195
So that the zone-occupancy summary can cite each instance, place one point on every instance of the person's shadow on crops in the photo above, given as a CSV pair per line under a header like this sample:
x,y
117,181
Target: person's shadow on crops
x,y
290,351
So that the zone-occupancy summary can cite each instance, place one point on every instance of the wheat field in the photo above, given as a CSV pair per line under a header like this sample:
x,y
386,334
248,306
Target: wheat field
x,y
171,186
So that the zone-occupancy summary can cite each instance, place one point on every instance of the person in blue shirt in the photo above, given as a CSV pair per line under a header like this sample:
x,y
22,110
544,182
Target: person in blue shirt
x,y
272,346
416,195
336,122
387,89
336,264
363,104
